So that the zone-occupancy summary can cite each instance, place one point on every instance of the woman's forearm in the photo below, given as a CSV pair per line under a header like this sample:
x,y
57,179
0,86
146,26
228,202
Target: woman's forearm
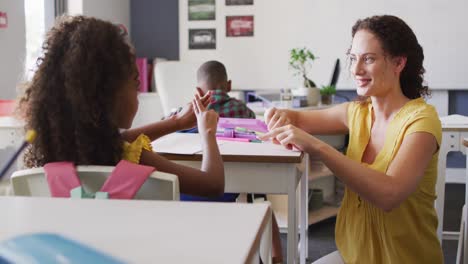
x,y
322,121
374,186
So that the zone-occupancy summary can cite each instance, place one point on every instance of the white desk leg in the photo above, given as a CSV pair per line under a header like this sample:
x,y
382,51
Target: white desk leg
x,y
440,185
265,243
292,217
465,237
304,212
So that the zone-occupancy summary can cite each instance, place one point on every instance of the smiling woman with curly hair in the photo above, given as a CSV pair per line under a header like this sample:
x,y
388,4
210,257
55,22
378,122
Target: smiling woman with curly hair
x,y
387,214
85,90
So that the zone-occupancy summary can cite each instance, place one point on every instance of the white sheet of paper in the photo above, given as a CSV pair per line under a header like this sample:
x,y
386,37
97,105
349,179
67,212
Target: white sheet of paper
x,y
187,144
179,143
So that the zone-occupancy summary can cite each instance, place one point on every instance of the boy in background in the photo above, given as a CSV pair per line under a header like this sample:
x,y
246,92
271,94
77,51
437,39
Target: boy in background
x,y
212,78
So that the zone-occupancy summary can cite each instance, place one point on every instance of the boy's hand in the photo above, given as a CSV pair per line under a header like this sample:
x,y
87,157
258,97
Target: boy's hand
x,y
186,117
207,120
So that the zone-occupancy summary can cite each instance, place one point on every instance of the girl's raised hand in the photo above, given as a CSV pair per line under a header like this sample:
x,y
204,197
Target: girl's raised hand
x,y
207,119
186,117
205,98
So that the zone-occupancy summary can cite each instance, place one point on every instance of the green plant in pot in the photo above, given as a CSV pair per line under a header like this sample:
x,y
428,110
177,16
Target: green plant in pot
x,y
327,93
300,60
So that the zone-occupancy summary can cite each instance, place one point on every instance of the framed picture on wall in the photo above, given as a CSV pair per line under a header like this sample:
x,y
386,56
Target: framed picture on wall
x,y
239,2
239,26
201,10
203,38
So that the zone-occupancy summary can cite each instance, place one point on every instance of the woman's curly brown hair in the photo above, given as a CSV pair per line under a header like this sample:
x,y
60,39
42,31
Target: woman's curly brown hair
x,y
398,39
70,101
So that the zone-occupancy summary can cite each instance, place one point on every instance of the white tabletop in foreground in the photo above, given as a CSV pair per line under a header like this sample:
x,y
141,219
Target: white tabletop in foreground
x,y
143,231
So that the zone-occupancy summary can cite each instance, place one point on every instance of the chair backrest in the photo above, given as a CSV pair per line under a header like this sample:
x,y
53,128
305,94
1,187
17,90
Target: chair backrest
x,y
32,182
176,83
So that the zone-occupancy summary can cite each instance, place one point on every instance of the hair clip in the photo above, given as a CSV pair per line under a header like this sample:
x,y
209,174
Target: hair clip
x,y
123,30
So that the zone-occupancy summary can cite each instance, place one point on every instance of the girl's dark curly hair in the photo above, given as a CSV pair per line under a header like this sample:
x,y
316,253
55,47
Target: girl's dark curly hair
x,y
70,101
398,39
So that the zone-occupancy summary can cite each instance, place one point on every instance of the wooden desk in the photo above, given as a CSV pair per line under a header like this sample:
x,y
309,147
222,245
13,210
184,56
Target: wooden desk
x,y
256,168
147,231
454,129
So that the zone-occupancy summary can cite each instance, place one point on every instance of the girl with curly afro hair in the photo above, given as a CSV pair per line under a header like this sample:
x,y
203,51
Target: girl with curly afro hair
x,y
85,90
387,214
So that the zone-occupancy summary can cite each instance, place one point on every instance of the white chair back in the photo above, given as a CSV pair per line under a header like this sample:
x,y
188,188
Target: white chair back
x,y
176,83
32,182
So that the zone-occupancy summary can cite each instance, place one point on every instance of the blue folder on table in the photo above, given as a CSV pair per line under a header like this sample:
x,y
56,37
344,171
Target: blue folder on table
x,y
50,248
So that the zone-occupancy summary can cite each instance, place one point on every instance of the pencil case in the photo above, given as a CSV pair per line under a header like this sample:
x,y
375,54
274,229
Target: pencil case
x,y
247,123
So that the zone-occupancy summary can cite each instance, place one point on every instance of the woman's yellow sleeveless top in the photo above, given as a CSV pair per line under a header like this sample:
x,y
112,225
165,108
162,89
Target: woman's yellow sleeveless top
x,y
407,234
132,151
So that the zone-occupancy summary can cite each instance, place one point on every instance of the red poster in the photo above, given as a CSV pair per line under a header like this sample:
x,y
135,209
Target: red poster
x,y
239,26
3,20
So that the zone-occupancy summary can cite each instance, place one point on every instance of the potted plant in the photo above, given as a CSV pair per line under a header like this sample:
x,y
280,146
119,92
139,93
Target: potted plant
x,y
327,93
300,61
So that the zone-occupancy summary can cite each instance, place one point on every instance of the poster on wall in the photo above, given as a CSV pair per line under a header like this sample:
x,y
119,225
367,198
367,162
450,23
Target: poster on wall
x,y
239,2
3,20
239,26
204,38
201,10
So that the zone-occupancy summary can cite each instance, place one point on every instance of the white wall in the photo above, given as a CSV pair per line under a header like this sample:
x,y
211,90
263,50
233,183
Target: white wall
x,y
258,62
261,61
12,48
440,26
116,11
75,7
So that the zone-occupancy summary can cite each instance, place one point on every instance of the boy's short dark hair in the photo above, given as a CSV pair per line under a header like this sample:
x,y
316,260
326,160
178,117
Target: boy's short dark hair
x,y
212,74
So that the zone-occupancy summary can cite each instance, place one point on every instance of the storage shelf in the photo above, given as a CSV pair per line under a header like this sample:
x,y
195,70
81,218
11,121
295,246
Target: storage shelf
x,y
317,170
279,205
323,171
323,213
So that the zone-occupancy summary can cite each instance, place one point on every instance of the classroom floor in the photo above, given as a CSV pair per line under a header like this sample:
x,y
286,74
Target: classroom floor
x,y
321,235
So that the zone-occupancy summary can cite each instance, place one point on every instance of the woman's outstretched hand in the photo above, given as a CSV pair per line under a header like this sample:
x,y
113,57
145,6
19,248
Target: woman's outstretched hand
x,y
276,118
290,137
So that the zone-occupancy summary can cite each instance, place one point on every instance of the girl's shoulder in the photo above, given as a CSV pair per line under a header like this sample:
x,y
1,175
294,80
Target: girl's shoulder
x,y
132,151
